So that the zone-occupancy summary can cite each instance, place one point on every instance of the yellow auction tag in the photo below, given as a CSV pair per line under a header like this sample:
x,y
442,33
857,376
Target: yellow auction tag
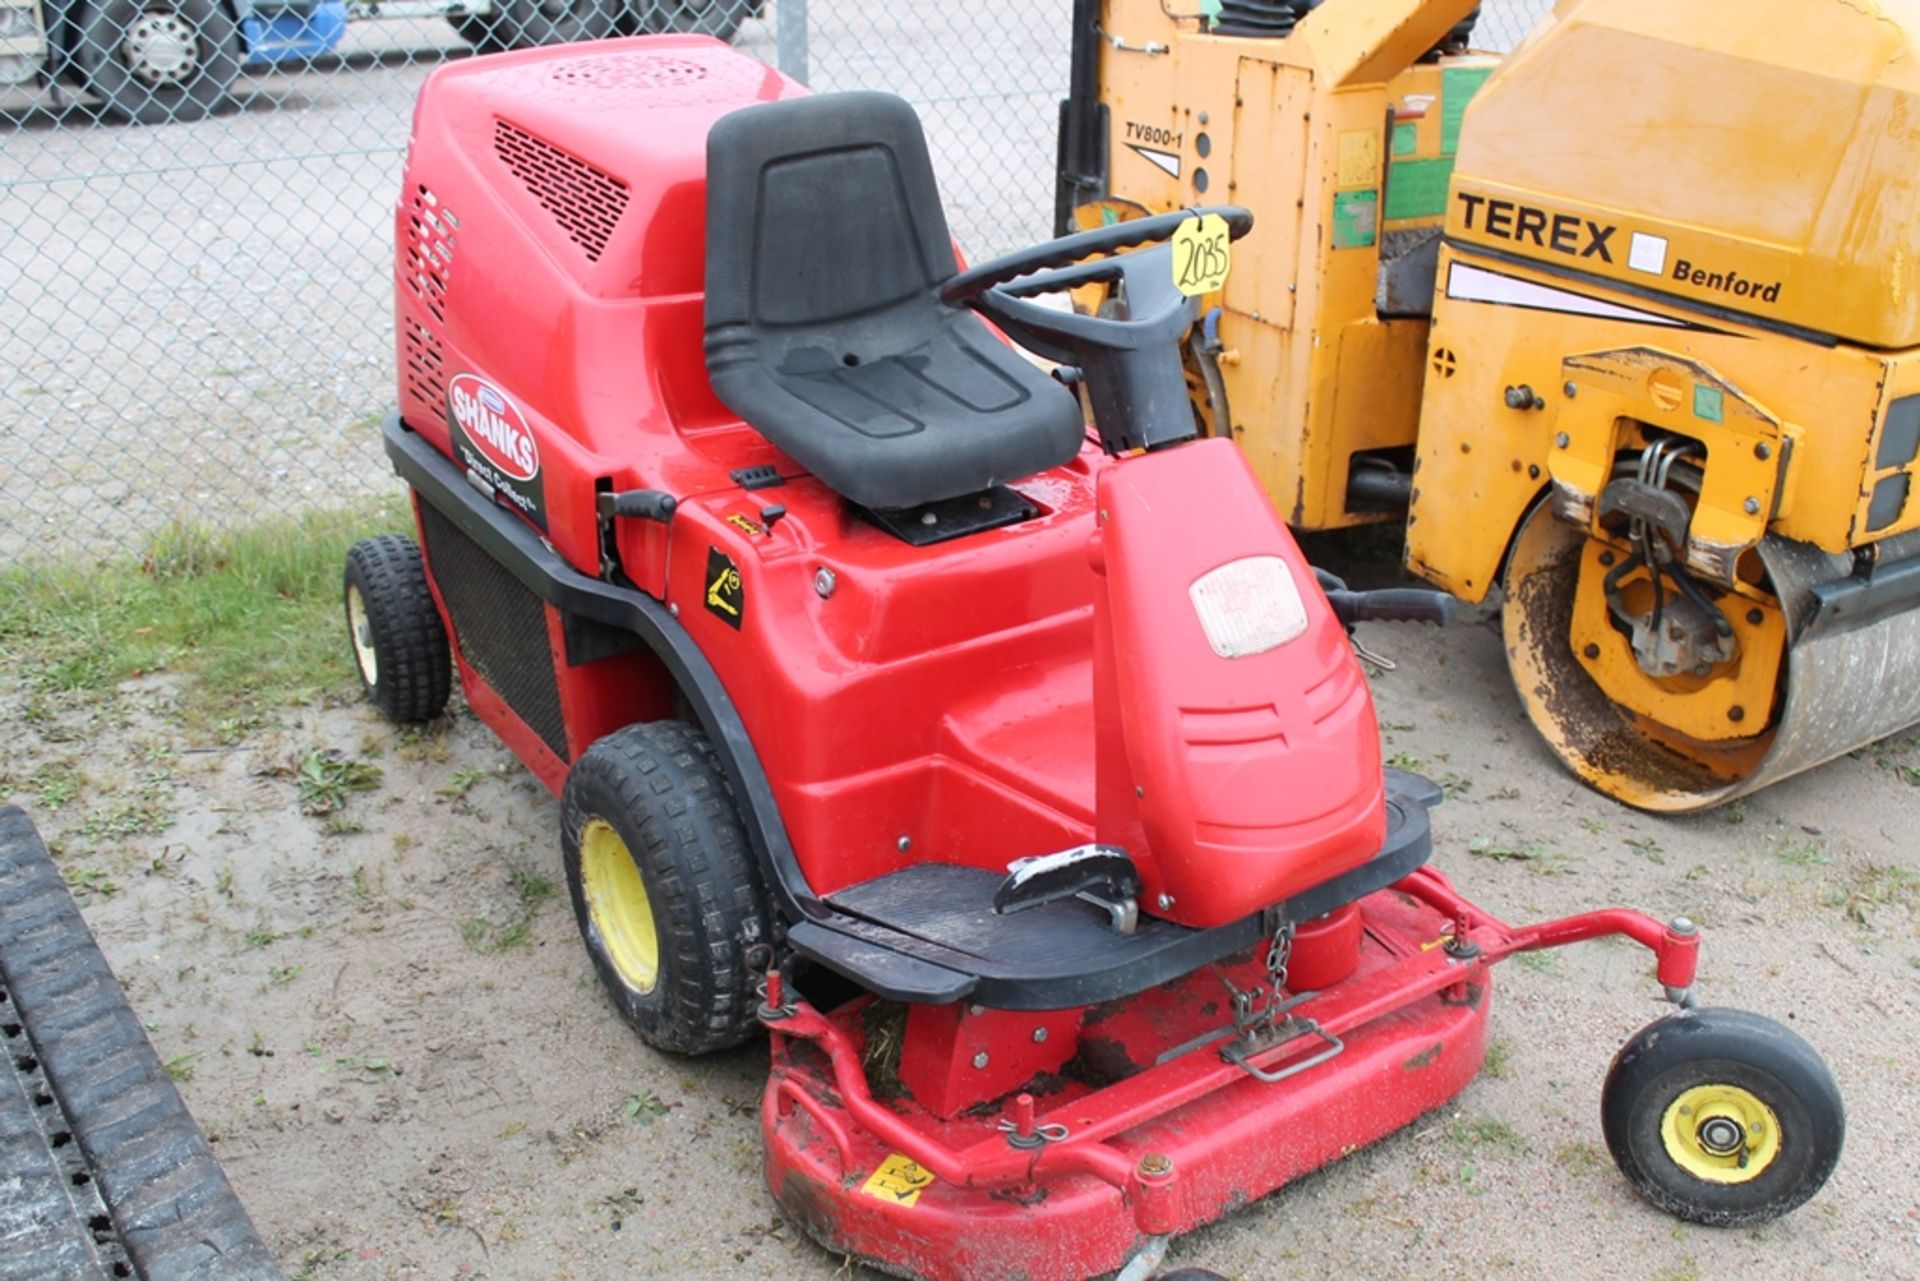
x,y
1200,255
898,1179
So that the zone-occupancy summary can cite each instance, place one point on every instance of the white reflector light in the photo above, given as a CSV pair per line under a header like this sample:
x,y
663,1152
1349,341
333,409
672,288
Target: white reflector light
x,y
1249,606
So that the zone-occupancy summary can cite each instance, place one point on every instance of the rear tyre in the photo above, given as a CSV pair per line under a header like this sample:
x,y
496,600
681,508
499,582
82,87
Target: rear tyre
x,y
399,646
474,29
664,886
523,24
154,61
720,19
1722,1117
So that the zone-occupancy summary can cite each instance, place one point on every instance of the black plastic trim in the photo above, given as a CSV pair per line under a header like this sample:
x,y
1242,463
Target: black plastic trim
x,y
1080,158
1864,599
906,966
528,557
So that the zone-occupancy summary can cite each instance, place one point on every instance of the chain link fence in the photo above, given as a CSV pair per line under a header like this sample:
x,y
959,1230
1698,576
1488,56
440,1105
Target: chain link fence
x,y
195,219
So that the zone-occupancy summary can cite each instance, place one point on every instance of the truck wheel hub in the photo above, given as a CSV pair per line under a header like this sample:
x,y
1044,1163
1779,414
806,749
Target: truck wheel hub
x,y
160,48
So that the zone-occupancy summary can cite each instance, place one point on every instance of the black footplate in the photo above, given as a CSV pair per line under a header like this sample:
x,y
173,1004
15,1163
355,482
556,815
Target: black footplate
x,y
929,933
102,1171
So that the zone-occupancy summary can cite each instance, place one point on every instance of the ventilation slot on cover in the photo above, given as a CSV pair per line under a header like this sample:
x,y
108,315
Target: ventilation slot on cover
x,y
587,202
425,365
628,71
430,228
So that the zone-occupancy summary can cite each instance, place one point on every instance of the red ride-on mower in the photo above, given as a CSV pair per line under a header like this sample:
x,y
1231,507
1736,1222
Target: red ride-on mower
x,y
1021,783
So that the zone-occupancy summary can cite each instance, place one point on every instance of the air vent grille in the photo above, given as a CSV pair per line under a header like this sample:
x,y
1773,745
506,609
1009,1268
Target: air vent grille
x,y
430,242
425,370
586,201
628,71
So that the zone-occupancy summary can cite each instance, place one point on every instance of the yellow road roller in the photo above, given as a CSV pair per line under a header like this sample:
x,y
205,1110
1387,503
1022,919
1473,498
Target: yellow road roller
x,y
1625,325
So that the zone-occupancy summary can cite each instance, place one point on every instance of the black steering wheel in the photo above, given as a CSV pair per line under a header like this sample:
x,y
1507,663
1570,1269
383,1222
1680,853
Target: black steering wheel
x,y
1155,311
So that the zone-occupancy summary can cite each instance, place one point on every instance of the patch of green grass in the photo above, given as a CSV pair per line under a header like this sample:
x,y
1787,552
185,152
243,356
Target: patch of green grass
x,y
1874,886
1803,854
1534,854
88,882
57,785
1541,962
1488,1134
1404,760
1646,847
530,887
646,1107
128,818
530,890
327,778
251,616
180,1066
462,782
1498,1062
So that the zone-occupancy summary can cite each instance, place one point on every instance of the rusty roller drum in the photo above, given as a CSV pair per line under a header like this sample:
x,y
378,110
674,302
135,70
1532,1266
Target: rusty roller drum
x,y
1830,686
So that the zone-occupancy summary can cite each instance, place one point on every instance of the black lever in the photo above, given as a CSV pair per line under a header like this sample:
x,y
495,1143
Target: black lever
x,y
639,504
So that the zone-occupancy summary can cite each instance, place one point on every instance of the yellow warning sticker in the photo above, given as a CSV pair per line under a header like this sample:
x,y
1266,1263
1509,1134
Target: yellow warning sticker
x,y
1359,159
898,1179
1201,256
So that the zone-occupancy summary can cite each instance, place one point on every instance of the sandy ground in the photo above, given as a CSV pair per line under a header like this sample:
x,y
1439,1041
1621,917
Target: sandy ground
x,y
387,1023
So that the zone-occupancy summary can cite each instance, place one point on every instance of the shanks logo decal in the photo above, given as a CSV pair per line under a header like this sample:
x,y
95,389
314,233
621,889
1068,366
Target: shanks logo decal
x,y
492,440
494,425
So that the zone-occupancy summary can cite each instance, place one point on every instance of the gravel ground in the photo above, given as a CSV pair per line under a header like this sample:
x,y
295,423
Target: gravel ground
x,y
387,1023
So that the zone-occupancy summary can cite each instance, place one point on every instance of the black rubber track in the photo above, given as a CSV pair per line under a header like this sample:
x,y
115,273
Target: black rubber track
x,y
115,1177
660,787
409,642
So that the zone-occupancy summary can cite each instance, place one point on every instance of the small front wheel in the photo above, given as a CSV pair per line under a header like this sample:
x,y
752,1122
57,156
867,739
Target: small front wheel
x,y
399,645
1722,1117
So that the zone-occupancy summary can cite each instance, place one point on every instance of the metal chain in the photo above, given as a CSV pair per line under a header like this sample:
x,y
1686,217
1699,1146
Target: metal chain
x,y
1279,952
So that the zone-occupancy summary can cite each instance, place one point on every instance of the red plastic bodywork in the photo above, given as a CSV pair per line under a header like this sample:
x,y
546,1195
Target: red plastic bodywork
x,y
1013,692
943,695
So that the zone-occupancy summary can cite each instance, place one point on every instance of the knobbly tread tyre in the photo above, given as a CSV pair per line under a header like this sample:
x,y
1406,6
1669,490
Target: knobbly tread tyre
x,y
134,1189
1735,1047
409,642
660,787
526,24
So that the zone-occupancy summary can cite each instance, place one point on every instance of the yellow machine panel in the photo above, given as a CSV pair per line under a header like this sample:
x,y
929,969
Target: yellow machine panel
x,y
1625,326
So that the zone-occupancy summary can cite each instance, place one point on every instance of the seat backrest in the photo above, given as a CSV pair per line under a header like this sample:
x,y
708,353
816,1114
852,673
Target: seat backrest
x,y
819,210
825,331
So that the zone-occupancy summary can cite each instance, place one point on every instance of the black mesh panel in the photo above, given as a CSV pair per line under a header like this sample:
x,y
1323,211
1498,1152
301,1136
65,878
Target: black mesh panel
x,y
500,627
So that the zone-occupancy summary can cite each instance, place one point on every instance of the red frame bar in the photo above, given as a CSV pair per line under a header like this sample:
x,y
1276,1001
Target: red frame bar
x,y
993,1163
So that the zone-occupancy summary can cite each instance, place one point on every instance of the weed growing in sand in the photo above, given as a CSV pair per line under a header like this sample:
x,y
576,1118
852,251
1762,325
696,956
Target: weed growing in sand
x,y
327,778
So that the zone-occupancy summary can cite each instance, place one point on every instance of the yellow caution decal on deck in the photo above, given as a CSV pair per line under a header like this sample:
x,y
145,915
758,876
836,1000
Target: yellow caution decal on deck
x,y
900,1179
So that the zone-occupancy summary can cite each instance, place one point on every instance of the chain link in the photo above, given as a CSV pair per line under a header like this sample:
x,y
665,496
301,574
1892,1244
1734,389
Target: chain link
x,y
196,308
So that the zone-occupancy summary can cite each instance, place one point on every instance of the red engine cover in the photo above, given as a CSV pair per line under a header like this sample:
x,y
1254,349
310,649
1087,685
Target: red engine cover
x,y
1234,781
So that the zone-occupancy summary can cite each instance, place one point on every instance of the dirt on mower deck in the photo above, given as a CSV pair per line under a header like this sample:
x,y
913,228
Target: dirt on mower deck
x,y
352,948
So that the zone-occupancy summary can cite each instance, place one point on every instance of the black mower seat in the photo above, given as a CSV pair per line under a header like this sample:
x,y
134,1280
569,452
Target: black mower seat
x,y
825,244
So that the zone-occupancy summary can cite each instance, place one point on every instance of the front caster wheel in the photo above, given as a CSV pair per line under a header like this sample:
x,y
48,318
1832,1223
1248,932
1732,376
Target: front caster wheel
x,y
1722,1117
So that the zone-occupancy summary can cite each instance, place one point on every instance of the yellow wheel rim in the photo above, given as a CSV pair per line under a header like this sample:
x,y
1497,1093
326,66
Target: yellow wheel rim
x,y
618,906
1721,1134
361,628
